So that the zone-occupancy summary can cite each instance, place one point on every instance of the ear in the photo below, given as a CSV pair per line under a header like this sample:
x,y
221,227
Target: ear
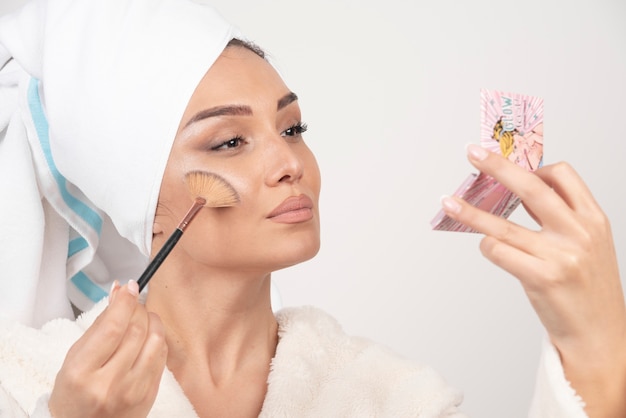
x,y
157,228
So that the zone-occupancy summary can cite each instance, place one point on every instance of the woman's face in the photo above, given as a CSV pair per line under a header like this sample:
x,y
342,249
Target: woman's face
x,y
243,124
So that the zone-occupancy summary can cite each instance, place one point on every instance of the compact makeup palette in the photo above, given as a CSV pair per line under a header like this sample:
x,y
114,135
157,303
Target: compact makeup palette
x,y
511,125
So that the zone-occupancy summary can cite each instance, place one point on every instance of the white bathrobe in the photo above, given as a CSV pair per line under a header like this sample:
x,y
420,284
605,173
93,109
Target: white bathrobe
x,y
318,371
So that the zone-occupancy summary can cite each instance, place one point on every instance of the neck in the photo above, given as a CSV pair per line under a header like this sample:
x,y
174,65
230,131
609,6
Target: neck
x,y
217,324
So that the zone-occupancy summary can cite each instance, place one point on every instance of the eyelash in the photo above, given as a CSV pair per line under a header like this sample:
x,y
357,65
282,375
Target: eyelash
x,y
296,129
231,143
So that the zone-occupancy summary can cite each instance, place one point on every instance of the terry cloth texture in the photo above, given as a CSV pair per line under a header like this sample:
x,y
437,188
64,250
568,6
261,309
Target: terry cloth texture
x,y
318,371
91,95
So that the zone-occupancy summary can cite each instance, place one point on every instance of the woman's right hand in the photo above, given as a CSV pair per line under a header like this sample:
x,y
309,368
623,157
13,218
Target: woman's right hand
x,y
115,368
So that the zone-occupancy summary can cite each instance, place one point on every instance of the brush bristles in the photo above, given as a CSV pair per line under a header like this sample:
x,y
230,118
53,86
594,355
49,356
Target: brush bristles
x,y
214,189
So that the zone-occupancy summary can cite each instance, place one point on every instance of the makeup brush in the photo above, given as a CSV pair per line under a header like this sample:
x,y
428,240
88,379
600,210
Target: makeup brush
x,y
208,190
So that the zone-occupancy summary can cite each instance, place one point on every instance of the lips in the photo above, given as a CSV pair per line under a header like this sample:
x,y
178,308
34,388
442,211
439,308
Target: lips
x,y
294,209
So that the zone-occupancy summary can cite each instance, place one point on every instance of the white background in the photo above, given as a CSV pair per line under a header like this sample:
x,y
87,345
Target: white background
x,y
390,91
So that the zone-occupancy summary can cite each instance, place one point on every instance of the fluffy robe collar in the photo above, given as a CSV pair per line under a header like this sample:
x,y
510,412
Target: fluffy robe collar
x,y
318,371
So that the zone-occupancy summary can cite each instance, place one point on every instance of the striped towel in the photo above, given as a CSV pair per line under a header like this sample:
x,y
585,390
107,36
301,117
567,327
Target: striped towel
x,y
91,95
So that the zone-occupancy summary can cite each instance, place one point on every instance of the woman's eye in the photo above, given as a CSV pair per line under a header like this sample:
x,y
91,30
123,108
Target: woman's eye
x,y
231,143
295,130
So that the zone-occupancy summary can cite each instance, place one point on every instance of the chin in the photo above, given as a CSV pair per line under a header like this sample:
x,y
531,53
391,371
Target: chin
x,y
296,254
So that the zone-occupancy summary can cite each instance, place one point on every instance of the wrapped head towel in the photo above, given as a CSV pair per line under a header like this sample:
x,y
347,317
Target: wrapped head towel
x,y
91,95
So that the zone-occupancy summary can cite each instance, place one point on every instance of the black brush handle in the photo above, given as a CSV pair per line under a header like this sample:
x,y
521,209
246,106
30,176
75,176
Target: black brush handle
x,y
159,258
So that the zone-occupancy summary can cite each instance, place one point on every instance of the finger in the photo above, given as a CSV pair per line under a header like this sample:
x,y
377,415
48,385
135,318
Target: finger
x,y
141,382
151,361
539,197
114,288
520,264
532,214
491,225
570,186
103,337
513,248
131,344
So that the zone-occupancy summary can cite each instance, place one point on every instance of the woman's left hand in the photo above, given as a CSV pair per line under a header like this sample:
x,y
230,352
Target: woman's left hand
x,y
568,268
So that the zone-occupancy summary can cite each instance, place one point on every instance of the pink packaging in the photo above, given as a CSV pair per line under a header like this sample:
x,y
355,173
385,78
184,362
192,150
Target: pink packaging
x,y
511,125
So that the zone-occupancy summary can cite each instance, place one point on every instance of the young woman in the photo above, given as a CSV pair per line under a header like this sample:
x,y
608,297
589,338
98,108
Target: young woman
x,y
206,341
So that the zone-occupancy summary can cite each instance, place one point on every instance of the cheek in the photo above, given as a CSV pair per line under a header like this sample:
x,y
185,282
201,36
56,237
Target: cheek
x,y
175,199
312,172
214,230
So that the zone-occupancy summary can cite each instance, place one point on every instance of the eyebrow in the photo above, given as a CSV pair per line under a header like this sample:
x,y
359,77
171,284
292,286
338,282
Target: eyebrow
x,y
286,99
237,110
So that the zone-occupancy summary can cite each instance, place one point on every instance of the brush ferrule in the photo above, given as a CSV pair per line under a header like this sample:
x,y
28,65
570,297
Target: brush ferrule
x,y
197,205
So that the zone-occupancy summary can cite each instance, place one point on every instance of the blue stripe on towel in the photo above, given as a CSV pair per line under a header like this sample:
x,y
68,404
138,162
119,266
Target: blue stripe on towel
x,y
41,125
77,245
91,217
87,287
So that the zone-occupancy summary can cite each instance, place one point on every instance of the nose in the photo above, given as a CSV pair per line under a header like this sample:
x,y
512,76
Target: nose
x,y
284,164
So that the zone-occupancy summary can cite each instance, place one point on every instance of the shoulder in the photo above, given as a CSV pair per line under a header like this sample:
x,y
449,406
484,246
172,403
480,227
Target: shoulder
x,y
319,370
307,321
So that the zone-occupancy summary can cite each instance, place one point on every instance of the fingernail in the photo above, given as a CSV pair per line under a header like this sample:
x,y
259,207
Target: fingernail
x,y
133,288
450,205
476,152
114,287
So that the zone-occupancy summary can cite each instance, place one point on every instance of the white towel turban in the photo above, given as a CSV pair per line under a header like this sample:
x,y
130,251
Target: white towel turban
x,y
91,95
